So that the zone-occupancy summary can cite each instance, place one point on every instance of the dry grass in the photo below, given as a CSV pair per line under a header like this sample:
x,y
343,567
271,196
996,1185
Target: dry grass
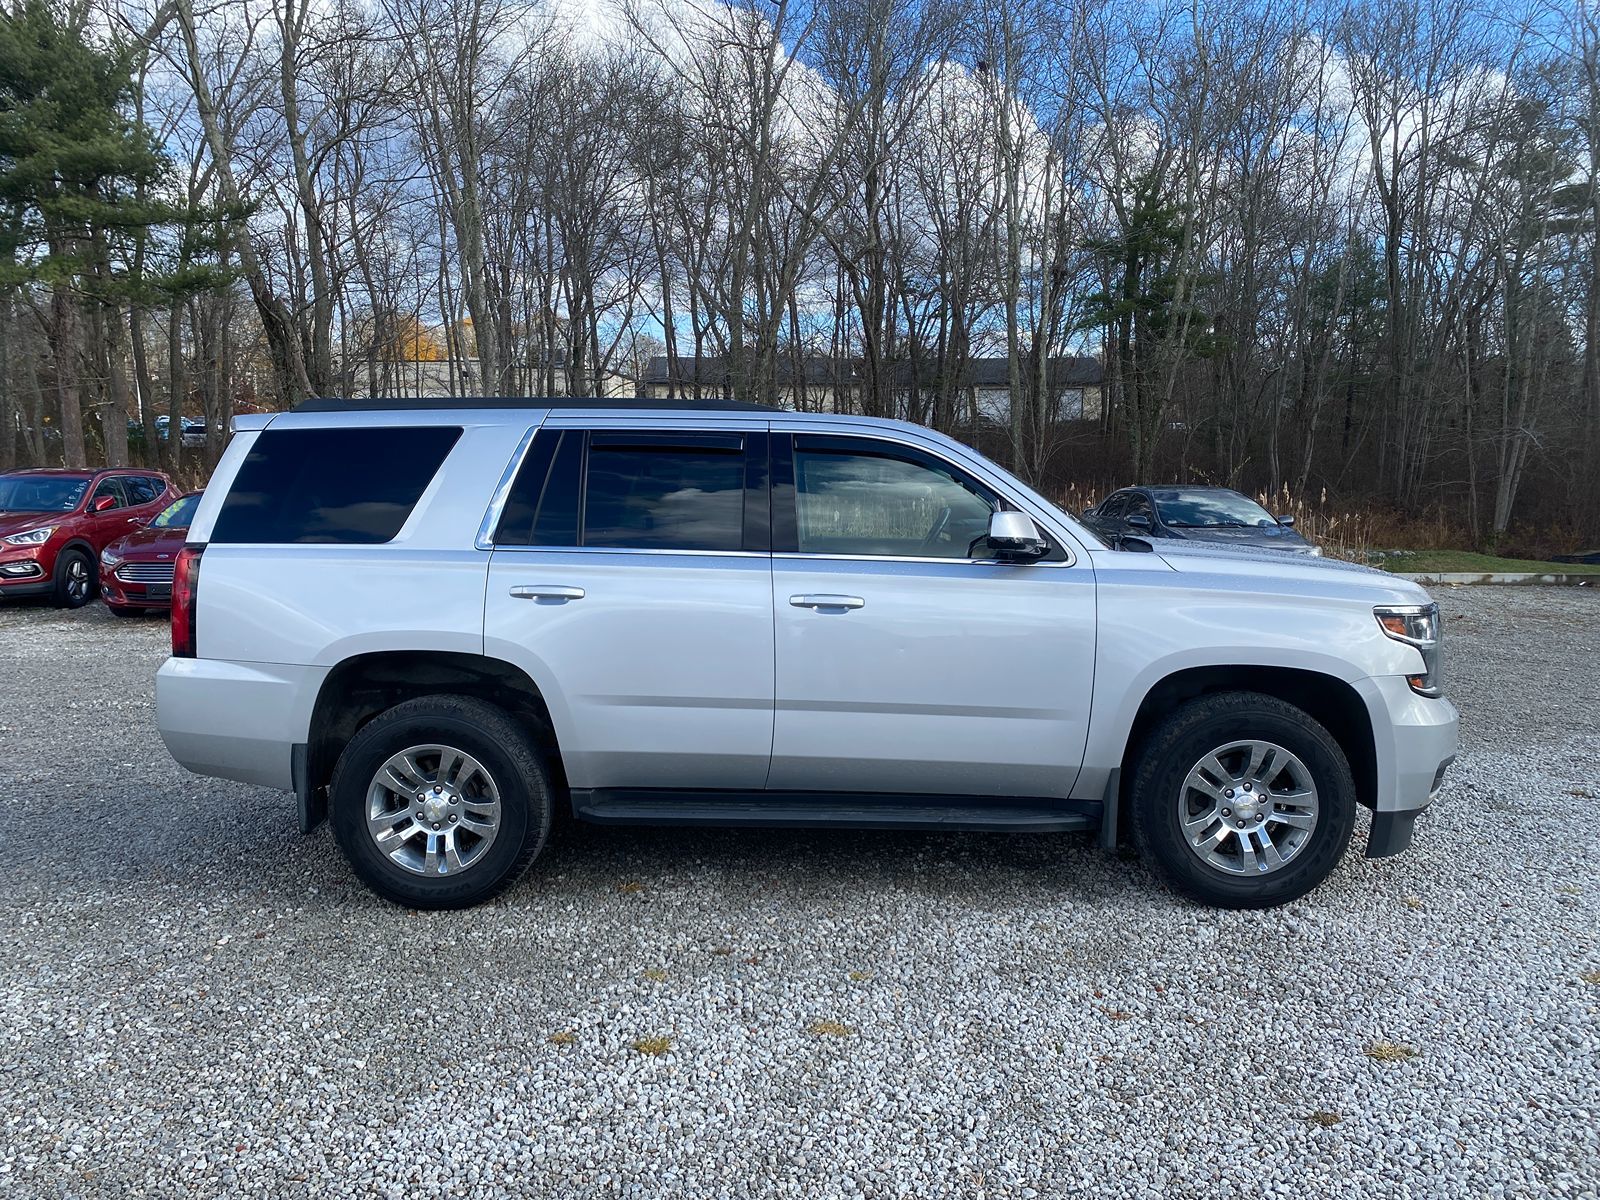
x,y
655,975
653,1046
1325,1119
1591,977
565,1038
829,1028
1390,1052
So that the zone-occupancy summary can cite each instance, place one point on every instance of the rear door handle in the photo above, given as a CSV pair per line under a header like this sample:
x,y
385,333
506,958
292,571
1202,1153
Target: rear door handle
x,y
546,591
827,601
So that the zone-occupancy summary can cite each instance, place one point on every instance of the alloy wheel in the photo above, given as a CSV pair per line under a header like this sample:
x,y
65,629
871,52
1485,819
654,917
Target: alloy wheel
x,y
433,810
1248,807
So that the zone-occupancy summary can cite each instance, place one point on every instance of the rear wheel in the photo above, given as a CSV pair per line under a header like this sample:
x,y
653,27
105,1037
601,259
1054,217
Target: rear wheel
x,y
75,584
440,802
1242,800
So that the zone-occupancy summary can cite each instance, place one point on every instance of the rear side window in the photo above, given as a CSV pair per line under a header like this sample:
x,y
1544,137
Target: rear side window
x,y
140,489
630,491
353,486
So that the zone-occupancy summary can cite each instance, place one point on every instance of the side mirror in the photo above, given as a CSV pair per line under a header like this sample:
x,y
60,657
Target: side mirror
x,y
1013,535
103,503
1286,519
1140,522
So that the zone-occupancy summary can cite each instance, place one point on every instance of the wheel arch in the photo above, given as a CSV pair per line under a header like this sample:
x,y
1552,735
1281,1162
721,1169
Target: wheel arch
x,y
1330,700
358,688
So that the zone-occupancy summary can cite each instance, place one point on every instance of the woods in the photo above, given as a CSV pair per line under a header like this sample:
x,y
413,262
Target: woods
x,y
1343,248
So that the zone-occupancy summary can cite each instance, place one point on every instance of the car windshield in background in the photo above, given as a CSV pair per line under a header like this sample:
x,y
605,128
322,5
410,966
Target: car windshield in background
x,y
177,515
40,493
1200,510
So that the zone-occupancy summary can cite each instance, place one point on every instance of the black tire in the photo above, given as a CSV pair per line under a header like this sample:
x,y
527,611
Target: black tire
x,y
1178,743
75,579
490,735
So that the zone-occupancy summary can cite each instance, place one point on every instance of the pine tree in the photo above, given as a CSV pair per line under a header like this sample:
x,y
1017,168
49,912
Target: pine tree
x,y
78,178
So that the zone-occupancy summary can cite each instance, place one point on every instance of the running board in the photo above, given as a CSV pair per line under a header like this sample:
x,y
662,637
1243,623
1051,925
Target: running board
x,y
834,810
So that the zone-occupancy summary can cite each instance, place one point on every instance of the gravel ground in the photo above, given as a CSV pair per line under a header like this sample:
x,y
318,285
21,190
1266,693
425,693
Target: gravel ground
x,y
197,1001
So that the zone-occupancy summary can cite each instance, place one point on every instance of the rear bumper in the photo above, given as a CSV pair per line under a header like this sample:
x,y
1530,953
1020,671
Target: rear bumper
x,y
236,720
1414,741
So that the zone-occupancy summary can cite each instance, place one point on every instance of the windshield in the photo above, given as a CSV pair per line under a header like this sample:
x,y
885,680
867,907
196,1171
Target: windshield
x,y
40,493
177,515
1198,510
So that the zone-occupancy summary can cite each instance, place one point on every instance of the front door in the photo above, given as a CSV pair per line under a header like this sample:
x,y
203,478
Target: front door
x,y
630,578
908,661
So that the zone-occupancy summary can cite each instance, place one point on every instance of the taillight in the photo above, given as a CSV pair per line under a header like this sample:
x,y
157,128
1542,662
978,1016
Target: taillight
x,y
185,587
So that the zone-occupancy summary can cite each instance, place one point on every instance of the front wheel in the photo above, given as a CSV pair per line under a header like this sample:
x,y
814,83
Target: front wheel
x,y
75,585
440,802
1242,800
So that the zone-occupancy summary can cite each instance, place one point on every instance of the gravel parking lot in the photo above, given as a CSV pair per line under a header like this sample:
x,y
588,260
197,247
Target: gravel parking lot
x,y
197,1001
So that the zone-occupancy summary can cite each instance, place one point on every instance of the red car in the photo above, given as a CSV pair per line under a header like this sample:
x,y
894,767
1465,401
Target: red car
x,y
54,523
136,571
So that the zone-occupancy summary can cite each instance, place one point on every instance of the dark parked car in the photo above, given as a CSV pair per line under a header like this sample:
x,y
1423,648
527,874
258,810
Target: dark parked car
x,y
1217,515
136,571
54,523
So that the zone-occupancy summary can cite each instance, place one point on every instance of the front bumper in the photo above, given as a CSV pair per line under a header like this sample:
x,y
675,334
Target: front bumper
x,y
1414,741
21,574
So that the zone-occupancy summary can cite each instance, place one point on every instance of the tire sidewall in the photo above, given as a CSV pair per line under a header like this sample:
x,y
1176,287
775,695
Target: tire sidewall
x,y
63,597
524,809
1183,741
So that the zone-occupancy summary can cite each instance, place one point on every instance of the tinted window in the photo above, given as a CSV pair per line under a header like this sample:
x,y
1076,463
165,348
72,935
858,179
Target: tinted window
x,y
1139,506
177,515
331,485
140,489
672,492
857,499
542,509
108,487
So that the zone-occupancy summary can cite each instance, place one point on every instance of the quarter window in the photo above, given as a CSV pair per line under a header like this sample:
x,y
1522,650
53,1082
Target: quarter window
x,y
856,497
350,486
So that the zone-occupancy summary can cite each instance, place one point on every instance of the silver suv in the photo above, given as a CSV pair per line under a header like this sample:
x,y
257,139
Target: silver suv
x,y
440,625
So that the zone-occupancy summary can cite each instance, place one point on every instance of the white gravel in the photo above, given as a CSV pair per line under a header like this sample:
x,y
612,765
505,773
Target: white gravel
x,y
196,1001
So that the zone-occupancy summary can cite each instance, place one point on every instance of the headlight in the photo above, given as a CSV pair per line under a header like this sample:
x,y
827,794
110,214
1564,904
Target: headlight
x,y
33,537
109,558
1416,625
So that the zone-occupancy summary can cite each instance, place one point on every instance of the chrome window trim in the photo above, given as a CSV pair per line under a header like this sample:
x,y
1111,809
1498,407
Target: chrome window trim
x,y
555,419
502,492
629,550
895,558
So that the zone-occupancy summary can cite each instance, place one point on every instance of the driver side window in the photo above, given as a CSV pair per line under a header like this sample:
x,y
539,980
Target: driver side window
x,y
855,498
108,487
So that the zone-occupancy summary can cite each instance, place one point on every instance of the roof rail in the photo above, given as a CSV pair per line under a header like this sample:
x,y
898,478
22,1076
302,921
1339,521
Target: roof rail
x,y
333,404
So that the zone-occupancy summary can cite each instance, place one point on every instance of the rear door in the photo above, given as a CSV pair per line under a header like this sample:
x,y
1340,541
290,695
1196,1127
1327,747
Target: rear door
x,y
631,578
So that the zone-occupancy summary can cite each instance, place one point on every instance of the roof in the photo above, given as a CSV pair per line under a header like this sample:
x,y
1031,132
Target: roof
x,y
987,372
329,404
76,472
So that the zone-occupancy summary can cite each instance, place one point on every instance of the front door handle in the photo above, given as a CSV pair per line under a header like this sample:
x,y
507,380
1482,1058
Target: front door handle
x,y
827,601
546,591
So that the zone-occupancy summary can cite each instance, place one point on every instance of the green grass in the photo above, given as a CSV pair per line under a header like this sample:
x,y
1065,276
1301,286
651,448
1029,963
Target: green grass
x,y
1466,560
